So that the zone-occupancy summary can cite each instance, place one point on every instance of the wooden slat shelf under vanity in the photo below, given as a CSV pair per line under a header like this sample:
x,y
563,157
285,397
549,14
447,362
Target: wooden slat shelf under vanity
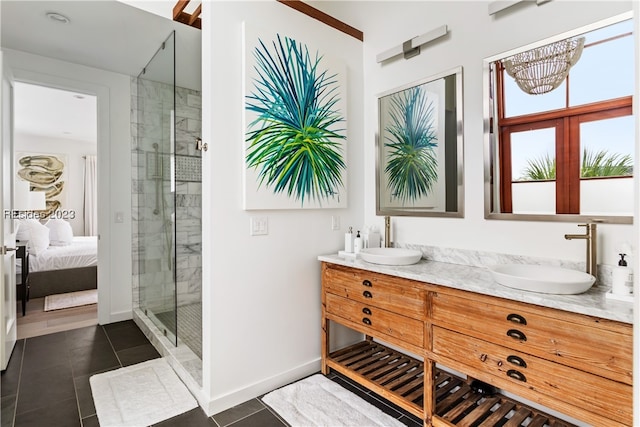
x,y
572,363
399,378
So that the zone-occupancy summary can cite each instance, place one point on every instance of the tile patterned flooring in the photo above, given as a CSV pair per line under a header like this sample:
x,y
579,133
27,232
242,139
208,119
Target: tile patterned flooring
x,y
47,382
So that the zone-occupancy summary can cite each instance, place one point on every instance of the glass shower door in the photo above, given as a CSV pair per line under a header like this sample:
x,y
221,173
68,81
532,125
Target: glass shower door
x,y
157,193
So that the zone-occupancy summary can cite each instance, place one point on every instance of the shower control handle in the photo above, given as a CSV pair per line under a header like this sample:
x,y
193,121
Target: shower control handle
x,y
200,146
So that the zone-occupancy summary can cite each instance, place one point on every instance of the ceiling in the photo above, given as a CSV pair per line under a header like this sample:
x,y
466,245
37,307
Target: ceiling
x,y
108,35
55,113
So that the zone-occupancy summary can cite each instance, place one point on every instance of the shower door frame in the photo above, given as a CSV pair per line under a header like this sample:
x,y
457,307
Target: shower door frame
x,y
165,320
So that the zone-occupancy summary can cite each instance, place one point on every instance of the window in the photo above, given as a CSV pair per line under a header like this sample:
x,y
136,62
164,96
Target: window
x,y
561,151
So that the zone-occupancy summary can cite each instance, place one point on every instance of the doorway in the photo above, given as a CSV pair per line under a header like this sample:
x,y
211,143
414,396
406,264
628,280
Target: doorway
x,y
55,157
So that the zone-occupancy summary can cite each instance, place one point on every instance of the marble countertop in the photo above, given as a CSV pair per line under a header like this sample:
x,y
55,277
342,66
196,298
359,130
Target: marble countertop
x,y
479,280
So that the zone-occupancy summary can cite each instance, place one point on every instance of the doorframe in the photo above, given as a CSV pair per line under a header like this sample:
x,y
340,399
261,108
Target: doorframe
x,y
104,187
8,337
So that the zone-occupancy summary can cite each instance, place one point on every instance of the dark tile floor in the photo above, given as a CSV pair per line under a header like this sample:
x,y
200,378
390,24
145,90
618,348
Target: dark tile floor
x,y
47,382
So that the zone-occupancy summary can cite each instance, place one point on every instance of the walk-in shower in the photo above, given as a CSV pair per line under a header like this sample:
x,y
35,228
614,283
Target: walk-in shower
x,y
167,201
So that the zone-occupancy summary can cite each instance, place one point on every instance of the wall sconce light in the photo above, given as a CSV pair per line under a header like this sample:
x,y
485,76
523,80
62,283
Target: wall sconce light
x,y
500,5
411,47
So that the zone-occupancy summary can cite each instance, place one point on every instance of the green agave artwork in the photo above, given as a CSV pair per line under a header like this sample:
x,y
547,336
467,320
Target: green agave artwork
x,y
295,143
412,164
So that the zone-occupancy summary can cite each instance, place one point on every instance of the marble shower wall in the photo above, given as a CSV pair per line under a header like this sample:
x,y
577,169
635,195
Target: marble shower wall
x,y
152,219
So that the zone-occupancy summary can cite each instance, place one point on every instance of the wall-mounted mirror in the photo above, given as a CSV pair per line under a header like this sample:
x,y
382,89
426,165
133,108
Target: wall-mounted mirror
x,y
419,160
559,127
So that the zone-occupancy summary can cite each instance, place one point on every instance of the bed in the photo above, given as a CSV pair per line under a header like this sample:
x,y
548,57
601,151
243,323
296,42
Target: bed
x,y
60,269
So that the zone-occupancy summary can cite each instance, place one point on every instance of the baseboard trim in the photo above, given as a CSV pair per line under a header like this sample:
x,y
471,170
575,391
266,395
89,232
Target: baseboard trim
x,y
229,400
120,316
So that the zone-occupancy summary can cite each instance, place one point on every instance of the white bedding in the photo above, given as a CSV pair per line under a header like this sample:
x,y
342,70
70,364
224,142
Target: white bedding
x,y
83,252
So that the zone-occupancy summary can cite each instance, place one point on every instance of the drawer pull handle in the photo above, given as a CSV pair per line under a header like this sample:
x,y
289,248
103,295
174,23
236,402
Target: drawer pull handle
x,y
366,283
516,375
516,334
483,357
366,321
516,318
517,361
367,294
366,311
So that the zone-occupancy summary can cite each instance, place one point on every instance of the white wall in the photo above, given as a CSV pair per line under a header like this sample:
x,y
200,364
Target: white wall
x,y
74,169
261,295
474,35
114,167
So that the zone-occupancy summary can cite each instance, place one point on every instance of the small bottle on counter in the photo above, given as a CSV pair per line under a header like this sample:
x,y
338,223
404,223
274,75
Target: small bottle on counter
x,y
348,241
357,243
621,277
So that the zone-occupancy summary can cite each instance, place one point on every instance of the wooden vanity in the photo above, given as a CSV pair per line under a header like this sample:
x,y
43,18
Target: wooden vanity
x,y
573,363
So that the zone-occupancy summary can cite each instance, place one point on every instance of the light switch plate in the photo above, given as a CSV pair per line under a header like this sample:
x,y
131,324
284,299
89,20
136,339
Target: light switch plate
x,y
335,222
259,226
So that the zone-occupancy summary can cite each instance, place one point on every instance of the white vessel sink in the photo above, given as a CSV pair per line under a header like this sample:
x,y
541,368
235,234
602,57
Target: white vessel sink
x,y
542,278
390,256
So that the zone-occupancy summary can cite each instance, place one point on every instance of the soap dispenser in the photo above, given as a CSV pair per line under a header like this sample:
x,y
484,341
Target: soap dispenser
x,y
357,243
620,278
348,241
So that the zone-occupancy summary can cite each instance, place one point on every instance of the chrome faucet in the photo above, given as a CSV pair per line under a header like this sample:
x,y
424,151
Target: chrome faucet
x,y
387,231
592,247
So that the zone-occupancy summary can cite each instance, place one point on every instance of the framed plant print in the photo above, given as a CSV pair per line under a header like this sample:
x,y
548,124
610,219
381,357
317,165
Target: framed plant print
x,y
295,124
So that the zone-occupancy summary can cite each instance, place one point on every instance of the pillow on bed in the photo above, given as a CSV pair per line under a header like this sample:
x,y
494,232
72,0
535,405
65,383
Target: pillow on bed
x,y
23,231
60,232
39,238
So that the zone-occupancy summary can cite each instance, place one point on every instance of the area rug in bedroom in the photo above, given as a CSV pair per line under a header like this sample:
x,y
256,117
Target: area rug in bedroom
x,y
139,395
317,401
70,299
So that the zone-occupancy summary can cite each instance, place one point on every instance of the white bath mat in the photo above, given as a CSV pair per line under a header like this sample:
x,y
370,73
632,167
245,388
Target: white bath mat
x,y
139,395
317,401
70,299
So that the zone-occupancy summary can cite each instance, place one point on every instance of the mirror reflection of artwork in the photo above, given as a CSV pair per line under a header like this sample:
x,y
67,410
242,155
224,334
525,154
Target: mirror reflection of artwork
x,y
419,151
295,125
563,151
411,144
44,173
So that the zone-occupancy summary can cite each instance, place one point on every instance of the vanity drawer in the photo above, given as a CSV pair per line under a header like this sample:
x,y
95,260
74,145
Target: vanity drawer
x,y
390,293
528,375
375,321
591,344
